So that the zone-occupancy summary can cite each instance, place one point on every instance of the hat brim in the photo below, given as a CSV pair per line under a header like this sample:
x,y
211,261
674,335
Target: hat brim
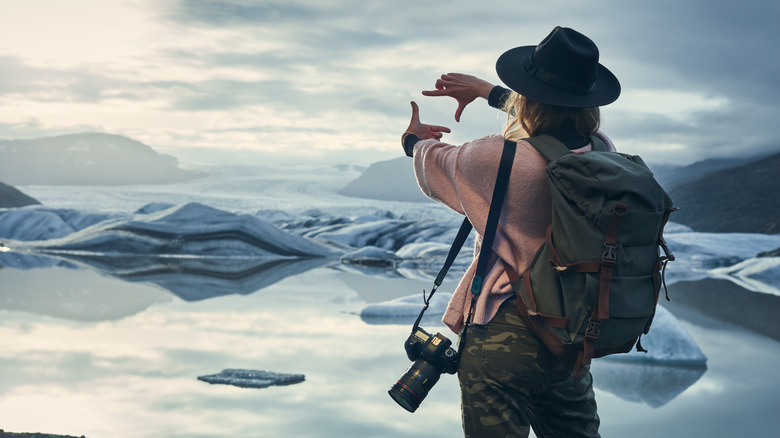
x,y
511,71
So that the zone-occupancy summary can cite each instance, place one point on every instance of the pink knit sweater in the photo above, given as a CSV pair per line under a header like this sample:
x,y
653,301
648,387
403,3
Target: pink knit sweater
x,y
462,178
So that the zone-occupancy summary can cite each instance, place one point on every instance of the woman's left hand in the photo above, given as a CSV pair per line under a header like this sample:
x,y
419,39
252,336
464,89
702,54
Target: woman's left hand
x,y
421,130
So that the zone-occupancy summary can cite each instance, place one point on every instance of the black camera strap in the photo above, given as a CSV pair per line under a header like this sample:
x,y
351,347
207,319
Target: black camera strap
x,y
496,204
457,244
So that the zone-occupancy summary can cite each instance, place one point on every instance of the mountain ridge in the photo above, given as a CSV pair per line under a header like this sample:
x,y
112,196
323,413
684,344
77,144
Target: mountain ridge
x,y
739,199
714,195
86,159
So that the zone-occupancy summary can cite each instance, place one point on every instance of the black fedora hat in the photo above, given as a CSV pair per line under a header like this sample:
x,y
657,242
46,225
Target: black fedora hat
x,y
562,70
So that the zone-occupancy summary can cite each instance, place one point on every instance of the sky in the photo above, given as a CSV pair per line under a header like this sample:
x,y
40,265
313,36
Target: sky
x,y
318,79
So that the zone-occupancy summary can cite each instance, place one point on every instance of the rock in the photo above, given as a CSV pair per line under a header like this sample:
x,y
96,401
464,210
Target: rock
x,y
371,256
4,434
774,253
10,197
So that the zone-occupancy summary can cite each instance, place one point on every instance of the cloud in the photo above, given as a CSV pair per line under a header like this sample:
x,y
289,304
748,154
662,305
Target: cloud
x,y
694,73
18,78
242,13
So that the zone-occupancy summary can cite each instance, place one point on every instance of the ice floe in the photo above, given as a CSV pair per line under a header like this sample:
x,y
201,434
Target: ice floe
x,y
252,378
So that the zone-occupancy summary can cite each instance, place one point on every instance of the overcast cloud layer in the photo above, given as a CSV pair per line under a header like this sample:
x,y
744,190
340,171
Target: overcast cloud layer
x,y
308,79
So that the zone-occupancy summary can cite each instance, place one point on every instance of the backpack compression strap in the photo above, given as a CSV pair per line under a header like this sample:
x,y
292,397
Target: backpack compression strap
x,y
600,310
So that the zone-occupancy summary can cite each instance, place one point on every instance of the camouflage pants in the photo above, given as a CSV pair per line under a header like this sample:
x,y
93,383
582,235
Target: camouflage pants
x,y
510,382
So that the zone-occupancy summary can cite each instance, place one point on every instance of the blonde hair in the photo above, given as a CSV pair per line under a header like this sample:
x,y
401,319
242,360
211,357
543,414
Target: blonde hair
x,y
529,118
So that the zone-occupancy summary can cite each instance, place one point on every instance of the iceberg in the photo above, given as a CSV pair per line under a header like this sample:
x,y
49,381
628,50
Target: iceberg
x,y
667,342
382,229
189,229
193,250
41,223
673,363
252,378
408,306
699,253
405,310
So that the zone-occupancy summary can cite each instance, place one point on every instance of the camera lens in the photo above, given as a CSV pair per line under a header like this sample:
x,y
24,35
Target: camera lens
x,y
413,386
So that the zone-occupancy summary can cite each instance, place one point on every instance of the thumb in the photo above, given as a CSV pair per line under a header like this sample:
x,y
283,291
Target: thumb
x,y
415,111
459,111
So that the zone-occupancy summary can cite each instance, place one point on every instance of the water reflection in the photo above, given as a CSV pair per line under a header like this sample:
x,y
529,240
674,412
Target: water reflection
x,y
189,278
106,374
652,384
74,294
87,287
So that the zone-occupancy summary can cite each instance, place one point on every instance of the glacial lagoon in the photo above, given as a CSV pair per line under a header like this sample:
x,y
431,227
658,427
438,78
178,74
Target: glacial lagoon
x,y
104,345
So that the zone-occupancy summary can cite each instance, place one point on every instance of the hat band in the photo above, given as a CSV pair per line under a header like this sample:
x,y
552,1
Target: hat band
x,y
555,80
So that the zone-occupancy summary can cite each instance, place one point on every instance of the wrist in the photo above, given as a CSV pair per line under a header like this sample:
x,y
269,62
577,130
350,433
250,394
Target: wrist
x,y
484,88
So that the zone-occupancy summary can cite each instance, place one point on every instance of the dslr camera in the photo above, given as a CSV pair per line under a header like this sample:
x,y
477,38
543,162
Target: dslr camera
x,y
431,356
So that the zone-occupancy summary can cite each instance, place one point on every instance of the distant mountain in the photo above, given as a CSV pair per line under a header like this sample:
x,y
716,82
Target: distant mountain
x,y
670,175
10,197
738,199
391,180
714,195
88,158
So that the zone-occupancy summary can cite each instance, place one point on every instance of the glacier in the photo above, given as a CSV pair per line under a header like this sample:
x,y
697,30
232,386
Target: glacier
x,y
190,234
197,252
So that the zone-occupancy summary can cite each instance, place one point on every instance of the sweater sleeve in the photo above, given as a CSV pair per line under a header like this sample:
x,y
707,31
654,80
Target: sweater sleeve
x,y
436,169
498,96
460,177
409,141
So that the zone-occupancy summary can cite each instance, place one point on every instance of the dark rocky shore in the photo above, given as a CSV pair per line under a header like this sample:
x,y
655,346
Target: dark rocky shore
x,y
4,434
10,197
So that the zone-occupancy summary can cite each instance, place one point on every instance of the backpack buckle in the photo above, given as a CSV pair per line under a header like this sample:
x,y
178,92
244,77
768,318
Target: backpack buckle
x,y
593,330
609,255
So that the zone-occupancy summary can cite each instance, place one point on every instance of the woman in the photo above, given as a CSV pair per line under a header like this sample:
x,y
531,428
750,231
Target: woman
x,y
509,380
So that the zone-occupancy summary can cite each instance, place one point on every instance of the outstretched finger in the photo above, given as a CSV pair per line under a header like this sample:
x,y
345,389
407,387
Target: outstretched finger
x,y
415,111
437,128
438,92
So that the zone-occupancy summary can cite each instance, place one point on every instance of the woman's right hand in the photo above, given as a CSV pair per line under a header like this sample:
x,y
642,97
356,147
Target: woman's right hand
x,y
463,88
421,130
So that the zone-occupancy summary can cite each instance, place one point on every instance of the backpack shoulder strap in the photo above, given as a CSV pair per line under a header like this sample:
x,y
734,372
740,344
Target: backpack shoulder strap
x,y
496,203
548,146
598,144
551,148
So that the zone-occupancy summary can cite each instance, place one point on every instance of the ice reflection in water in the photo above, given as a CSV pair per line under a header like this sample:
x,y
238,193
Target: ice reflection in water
x,y
652,384
96,353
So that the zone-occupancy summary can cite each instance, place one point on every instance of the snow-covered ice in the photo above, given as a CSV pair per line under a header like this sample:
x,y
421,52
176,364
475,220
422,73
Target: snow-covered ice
x,y
408,306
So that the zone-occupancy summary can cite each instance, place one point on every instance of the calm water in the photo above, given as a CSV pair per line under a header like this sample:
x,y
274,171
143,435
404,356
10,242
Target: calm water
x,y
86,354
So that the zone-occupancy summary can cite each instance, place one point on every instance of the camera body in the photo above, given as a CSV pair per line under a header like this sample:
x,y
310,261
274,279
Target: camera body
x,y
432,356
433,349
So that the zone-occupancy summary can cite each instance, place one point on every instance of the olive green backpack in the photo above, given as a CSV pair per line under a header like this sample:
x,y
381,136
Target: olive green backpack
x,y
593,287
